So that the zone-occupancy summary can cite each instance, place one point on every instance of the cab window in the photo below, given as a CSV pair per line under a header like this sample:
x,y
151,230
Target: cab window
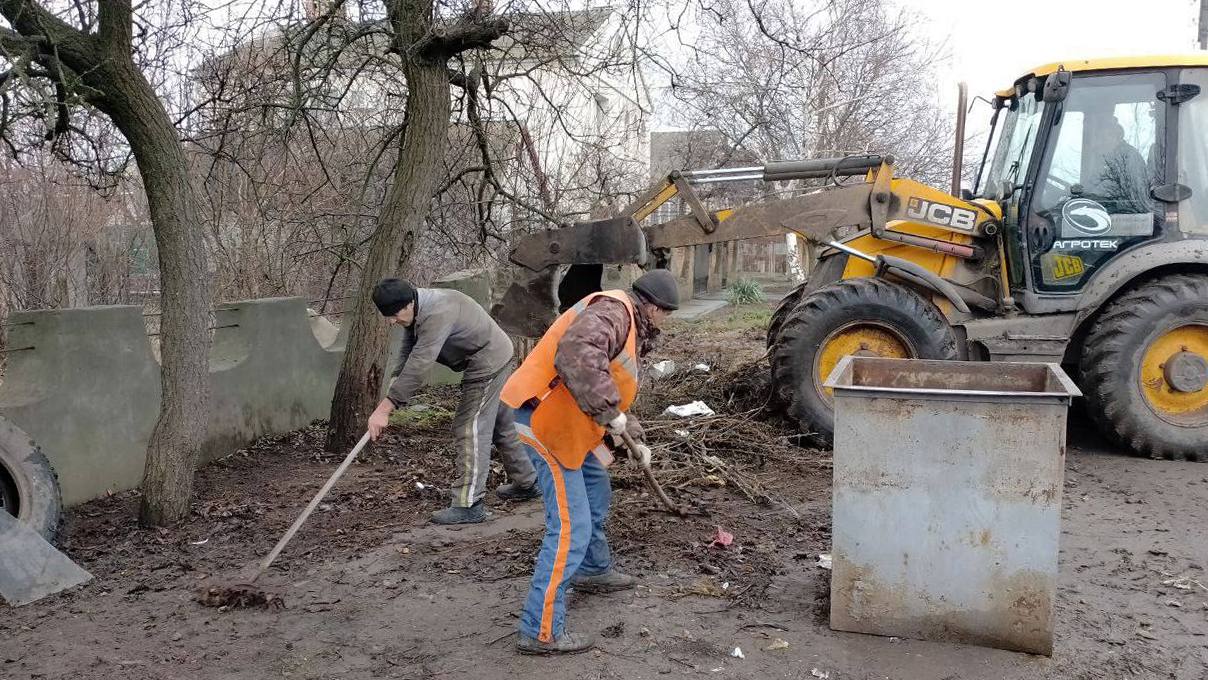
x,y
1092,197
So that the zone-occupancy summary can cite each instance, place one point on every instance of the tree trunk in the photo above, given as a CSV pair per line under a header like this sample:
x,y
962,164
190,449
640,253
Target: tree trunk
x,y
174,449
104,62
416,176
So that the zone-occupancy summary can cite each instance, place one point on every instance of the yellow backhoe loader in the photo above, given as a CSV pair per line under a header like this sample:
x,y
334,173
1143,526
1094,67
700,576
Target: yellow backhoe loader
x,y
1085,242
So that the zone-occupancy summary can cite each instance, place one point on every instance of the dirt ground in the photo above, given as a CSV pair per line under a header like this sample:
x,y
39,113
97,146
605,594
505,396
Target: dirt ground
x,y
372,591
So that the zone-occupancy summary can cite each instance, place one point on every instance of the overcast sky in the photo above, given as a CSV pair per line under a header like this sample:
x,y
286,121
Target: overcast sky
x,y
991,43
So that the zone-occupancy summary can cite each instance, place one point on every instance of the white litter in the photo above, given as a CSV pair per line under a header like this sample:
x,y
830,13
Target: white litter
x,y
201,542
824,561
737,653
820,674
702,368
776,644
682,434
419,485
1184,583
662,369
725,586
695,408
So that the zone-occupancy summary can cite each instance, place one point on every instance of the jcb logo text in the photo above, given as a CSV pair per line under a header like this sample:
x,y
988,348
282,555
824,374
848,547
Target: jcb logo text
x,y
943,215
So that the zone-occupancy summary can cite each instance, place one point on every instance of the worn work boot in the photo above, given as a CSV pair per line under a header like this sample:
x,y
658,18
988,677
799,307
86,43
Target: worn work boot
x,y
471,515
609,582
568,643
514,492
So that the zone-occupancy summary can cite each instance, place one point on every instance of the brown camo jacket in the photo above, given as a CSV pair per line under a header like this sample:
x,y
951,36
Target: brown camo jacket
x,y
587,348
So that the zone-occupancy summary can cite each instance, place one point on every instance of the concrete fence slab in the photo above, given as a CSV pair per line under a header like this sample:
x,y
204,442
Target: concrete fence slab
x,y
88,389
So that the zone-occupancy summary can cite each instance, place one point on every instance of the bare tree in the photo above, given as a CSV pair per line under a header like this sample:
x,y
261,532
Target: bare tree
x,y
788,79
62,243
292,141
424,44
84,55
298,135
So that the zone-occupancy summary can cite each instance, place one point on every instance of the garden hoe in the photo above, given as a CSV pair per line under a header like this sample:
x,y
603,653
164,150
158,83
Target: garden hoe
x,y
247,594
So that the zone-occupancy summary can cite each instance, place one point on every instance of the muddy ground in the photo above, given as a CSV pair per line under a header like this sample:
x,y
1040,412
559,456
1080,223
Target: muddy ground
x,y
372,591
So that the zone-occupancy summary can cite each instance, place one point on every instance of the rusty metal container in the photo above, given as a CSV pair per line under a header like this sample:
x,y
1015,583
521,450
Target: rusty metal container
x,y
947,499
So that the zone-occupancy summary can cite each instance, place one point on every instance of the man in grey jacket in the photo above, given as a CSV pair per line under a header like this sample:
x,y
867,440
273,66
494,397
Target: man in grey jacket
x,y
450,328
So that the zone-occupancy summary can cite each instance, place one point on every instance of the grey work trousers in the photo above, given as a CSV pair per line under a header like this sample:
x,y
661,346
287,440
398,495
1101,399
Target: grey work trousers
x,y
480,421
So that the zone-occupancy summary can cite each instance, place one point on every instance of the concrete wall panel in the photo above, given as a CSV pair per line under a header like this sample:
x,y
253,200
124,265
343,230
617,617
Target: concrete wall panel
x,y
88,391
85,384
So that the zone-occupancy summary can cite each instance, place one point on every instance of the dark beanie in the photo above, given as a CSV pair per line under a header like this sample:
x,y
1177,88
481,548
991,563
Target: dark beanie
x,y
659,288
391,295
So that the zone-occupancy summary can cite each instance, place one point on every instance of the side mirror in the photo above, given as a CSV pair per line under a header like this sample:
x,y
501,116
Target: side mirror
x,y
1056,86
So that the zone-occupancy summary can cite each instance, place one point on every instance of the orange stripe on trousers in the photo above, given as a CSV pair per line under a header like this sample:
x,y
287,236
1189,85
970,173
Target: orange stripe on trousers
x,y
555,578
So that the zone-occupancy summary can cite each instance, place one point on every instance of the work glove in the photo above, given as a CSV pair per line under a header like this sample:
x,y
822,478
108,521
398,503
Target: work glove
x,y
617,425
643,457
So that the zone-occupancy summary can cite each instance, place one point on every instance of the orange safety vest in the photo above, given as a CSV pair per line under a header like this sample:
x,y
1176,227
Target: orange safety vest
x,y
557,423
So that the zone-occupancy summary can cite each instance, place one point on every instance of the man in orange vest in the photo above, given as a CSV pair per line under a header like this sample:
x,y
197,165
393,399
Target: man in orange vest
x,y
573,389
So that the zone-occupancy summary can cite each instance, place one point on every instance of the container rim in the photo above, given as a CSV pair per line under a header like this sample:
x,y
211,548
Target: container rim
x,y
840,381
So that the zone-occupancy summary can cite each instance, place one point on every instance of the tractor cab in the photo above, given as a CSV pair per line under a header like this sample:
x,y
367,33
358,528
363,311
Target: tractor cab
x,y
1091,159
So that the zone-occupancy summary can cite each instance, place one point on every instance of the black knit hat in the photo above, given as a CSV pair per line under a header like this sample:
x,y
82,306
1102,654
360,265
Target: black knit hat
x,y
391,295
659,288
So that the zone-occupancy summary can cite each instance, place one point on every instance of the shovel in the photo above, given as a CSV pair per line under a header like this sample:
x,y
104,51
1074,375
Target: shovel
x,y
245,594
649,474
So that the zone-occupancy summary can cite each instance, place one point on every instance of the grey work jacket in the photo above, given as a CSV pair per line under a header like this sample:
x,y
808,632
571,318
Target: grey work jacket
x,y
451,329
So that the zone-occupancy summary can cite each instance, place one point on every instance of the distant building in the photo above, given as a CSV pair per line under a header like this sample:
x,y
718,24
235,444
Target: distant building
x,y
567,114
709,268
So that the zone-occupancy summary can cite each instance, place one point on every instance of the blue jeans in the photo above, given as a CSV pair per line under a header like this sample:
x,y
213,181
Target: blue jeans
x,y
576,507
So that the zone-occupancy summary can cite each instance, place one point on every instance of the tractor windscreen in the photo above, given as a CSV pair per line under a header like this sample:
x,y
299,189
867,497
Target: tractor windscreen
x,y
1014,138
1012,142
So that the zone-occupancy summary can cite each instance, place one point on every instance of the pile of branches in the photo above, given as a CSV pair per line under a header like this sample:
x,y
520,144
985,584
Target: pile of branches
x,y
731,448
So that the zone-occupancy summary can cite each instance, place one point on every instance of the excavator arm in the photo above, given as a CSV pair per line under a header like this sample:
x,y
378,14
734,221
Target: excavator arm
x,y
890,208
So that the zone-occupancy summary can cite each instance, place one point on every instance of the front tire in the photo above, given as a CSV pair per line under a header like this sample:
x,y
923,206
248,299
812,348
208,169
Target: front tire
x,y
866,317
827,271
1145,369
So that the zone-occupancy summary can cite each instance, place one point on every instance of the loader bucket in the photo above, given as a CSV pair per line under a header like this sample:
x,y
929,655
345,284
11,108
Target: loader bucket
x,y
559,267
531,304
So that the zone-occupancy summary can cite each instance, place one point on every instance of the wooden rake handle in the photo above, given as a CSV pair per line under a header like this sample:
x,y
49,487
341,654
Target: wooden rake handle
x,y
649,474
314,503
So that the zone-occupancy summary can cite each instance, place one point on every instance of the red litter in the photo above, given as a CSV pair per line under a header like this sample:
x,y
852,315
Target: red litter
x,y
721,538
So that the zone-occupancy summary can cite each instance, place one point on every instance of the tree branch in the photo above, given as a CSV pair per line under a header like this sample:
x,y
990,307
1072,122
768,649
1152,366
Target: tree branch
x,y
36,24
443,42
457,178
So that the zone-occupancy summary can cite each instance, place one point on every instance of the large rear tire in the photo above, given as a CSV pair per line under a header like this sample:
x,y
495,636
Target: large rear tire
x,y
1145,369
865,316
827,271
29,489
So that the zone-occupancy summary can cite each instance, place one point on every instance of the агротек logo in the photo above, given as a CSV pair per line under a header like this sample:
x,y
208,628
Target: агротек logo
x,y
1086,217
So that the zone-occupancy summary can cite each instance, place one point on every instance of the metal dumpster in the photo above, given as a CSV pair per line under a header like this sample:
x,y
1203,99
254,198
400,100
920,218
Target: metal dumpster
x,y
947,499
